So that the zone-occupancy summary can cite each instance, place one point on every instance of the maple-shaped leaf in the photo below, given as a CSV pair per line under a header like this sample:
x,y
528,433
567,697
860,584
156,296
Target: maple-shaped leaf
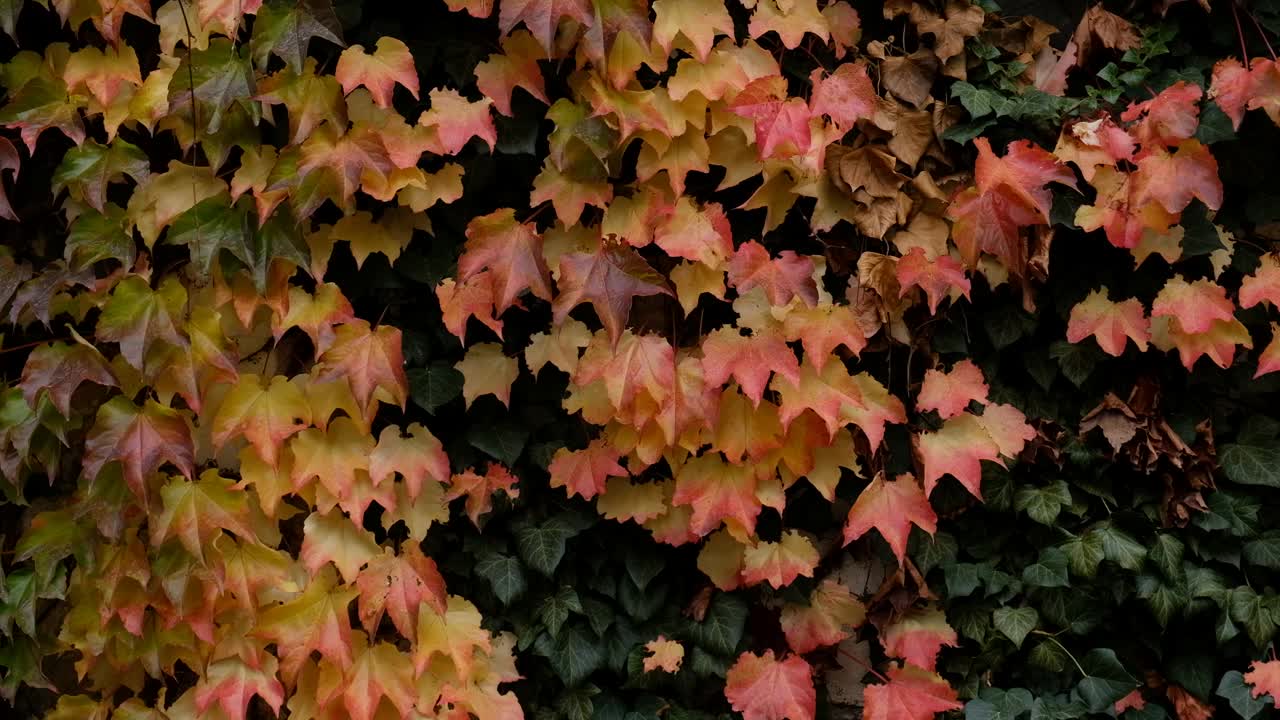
x,y
762,687
1264,676
782,278
1168,118
316,620
136,317
1007,426
209,82
371,360
936,277
951,392
542,17
415,454
698,233
1232,87
142,439
992,222
398,585
232,683
487,370
1112,324
917,637
910,694
698,21
585,472
1093,144
781,123
336,538
892,507
247,570
624,500
560,347
512,253
1269,358
839,399
479,489
1024,172
332,165
516,67
472,298
957,448
609,278
779,563
845,95
1174,179
455,120
59,369
828,618
197,511
379,671
823,328
1219,341
390,63
309,98
286,30
1195,305
717,491
335,455
748,359
1263,285
264,416
791,20
88,169
455,634
39,105
663,654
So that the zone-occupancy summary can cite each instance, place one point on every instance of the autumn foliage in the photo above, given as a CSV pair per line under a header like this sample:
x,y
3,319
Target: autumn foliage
x,y
542,358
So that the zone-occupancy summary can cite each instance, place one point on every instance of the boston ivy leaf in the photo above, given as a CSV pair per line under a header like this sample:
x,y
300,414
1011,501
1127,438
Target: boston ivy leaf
x,y
284,28
97,236
87,170
1015,623
1105,681
505,575
213,79
434,385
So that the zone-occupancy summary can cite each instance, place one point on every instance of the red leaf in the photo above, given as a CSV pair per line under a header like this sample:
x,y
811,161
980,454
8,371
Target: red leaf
x,y
59,369
479,489
416,455
957,449
749,359
456,120
717,491
844,96
1112,324
787,276
609,279
763,688
950,393
511,251
371,360
892,507
1263,285
1194,305
517,66
1232,88
542,17
1168,118
781,123
1265,679
824,621
398,585
1174,179
1024,171
141,439
936,277
584,472
822,328
389,64
910,694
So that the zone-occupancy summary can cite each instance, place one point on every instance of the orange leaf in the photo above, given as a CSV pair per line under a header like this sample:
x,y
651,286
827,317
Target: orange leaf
x,y
372,362
398,585
585,472
389,64
892,507
779,563
479,489
717,491
664,654
1168,118
1174,179
918,636
787,276
1265,679
823,622
957,448
417,455
749,359
936,277
1196,305
141,439
781,123
609,279
910,694
951,392
763,688
316,620
1110,323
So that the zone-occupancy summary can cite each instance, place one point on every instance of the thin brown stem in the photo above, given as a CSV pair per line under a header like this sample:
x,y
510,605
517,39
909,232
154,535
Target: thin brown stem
x,y
861,663
1262,34
1244,51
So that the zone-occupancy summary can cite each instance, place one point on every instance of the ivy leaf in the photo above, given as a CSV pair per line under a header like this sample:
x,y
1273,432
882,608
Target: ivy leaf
x,y
1265,551
1015,623
721,630
198,511
542,546
1049,571
390,63
1042,504
1254,459
503,441
555,609
505,575
434,385
1105,680
284,28
58,369
97,236
1233,689
141,439
576,654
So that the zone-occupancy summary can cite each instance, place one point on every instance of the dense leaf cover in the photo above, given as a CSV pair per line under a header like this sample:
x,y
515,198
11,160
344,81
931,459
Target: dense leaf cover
x,y
615,360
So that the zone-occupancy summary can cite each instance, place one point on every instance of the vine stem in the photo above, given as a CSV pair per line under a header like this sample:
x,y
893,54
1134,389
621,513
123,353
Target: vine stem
x,y
864,665
1244,51
31,344
1262,34
1054,640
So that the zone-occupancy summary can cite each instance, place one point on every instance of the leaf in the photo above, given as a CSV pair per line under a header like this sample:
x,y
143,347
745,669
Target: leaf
x,y
59,369
1105,679
1173,180
136,317
338,456
892,507
949,393
1049,570
266,417
787,276
486,370
1110,323
936,277
910,694
398,585
845,95
717,491
389,64
957,449
542,546
316,620
576,654
697,21
1168,118
1252,460
918,636
779,563
141,439
505,575
1233,689
1015,623
515,67
379,671
1195,306
749,360
664,654
832,609
371,360
232,683
333,537
198,511
511,251
609,279
310,99
1265,679
87,170
432,386
209,82
763,688
479,489
455,633
585,472
285,29
455,120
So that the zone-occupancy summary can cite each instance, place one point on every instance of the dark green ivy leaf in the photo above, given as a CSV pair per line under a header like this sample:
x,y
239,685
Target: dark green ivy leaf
x,y
1105,681
1015,623
1235,691
434,385
505,576
1050,570
576,654
542,546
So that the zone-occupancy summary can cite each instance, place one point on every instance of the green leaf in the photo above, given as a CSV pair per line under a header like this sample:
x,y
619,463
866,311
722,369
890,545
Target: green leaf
x,y
1239,695
1200,236
1006,324
976,101
1049,570
1237,514
599,614
1105,681
1193,671
1085,554
1120,547
505,575
1015,623
1166,552
643,564
434,385
213,226
97,236
555,609
576,654
502,441
1047,656
1164,599
1254,459
721,629
1042,504
285,29
962,579
87,170
542,546
1076,361
997,704
1256,612
215,78
1265,551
